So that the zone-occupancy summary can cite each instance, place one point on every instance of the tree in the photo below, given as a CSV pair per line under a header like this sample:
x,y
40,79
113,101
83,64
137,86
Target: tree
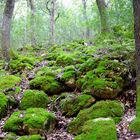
x,y
6,24
32,23
86,18
136,5
103,15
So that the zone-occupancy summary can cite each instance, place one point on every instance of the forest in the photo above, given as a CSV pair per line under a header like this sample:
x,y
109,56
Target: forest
x,y
69,69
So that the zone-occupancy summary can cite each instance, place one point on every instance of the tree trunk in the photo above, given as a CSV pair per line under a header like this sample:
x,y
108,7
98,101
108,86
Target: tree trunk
x,y
32,23
86,18
52,20
136,5
7,16
103,15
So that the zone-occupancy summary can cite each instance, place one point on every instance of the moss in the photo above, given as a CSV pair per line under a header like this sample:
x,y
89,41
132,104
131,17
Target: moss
x,y
10,136
135,125
3,104
34,98
31,137
100,87
9,82
65,59
31,121
21,63
104,109
47,84
72,103
102,129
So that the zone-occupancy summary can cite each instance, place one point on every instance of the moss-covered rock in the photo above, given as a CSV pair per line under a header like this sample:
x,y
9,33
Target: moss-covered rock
x,y
21,63
103,88
3,104
46,83
9,84
31,121
73,103
135,125
98,129
112,109
12,136
34,98
65,59
69,76
31,137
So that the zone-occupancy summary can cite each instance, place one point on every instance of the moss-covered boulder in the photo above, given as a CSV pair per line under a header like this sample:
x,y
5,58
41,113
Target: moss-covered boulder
x,y
31,137
100,87
73,103
98,129
10,84
3,104
22,63
135,125
112,109
69,76
31,121
46,83
34,98
12,136
65,59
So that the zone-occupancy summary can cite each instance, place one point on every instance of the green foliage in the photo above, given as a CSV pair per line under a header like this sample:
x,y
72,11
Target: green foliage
x,y
3,104
98,129
34,98
32,121
104,109
72,103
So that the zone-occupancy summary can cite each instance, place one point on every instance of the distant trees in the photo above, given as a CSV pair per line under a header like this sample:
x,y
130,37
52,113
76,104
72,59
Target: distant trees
x,y
32,22
103,15
6,24
87,34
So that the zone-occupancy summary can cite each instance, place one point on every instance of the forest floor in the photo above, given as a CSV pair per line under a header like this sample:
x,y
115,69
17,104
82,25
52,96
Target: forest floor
x,y
127,97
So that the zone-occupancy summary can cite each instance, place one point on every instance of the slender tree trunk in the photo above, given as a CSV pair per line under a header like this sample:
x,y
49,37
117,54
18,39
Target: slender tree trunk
x,y
136,5
52,20
86,18
103,15
32,23
7,16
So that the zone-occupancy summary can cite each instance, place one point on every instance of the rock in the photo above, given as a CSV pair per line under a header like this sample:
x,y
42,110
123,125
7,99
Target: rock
x,y
34,98
9,84
46,83
73,103
3,104
31,121
98,129
31,137
111,109
68,77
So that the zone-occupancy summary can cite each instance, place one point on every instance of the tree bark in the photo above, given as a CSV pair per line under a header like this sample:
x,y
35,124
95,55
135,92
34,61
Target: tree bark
x,y
52,20
86,18
32,23
103,15
6,24
136,5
